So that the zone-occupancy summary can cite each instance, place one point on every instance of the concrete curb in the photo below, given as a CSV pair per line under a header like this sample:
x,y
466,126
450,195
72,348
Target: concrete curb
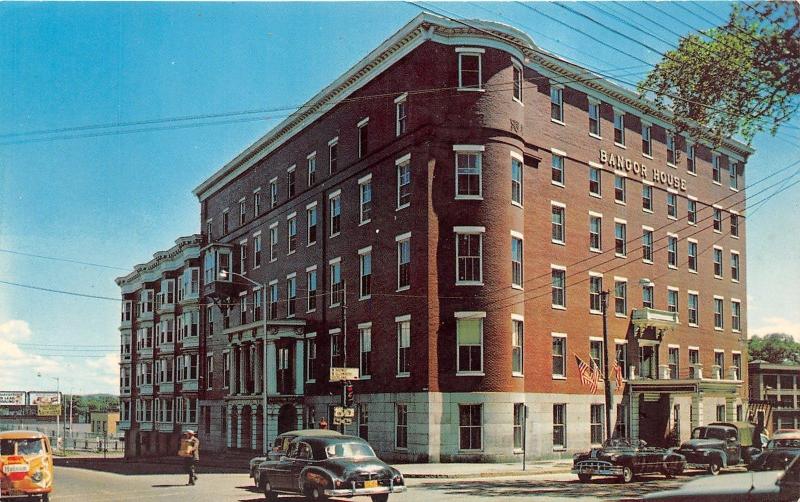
x,y
490,474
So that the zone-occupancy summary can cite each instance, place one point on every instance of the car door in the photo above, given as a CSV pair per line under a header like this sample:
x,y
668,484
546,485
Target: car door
x,y
299,462
279,473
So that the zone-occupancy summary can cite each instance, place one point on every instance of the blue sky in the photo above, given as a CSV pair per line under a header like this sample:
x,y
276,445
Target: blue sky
x,y
116,198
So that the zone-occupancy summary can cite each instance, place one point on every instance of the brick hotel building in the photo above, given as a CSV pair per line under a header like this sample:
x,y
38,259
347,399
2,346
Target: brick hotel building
x,y
467,196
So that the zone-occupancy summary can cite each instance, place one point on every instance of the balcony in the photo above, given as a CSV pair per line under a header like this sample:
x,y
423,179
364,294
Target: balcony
x,y
189,386
191,342
146,390
166,388
658,320
124,425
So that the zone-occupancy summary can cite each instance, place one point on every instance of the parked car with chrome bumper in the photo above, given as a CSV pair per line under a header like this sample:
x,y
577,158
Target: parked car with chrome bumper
x,y
625,458
279,446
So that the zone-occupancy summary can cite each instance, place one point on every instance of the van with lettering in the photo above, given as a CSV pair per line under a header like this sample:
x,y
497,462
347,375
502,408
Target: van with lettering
x,y
26,465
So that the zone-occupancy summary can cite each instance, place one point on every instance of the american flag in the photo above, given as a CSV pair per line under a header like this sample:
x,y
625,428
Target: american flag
x,y
616,369
588,375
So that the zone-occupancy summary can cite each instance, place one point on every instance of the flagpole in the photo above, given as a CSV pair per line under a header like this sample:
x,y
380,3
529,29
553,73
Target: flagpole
x,y
608,396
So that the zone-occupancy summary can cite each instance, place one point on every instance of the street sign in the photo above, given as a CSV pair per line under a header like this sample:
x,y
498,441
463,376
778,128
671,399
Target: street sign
x,y
342,421
342,412
343,374
349,412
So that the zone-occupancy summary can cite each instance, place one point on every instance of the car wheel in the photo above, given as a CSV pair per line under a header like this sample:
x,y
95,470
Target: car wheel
x,y
46,497
383,497
627,474
270,495
714,467
315,494
584,478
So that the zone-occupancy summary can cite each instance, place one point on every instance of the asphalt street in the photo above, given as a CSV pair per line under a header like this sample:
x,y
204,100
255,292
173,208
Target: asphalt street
x,y
88,485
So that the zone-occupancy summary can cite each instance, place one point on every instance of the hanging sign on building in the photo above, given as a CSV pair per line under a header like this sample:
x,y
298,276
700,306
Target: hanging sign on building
x,y
343,374
12,398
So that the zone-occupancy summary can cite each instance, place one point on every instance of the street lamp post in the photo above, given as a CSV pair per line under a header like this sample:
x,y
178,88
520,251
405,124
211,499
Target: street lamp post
x,y
608,396
224,274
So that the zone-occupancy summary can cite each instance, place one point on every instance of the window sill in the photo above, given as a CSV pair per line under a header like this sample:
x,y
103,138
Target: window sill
x,y
595,195
402,207
733,189
595,136
404,288
365,297
310,244
519,287
469,283
673,267
517,374
334,235
257,267
647,156
365,377
518,101
515,203
559,448
674,218
621,316
618,255
402,375
559,377
691,325
364,223
273,260
692,271
719,183
620,202
734,236
557,183
558,307
693,223
621,145
468,197
672,165
470,373
313,380
560,243
733,280
736,330
717,276
718,329
472,89
556,121
691,173
312,310
648,262
595,250
645,210
596,312
291,252
334,305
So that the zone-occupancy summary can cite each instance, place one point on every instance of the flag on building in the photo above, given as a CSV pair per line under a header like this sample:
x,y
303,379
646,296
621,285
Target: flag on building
x,y
588,376
616,369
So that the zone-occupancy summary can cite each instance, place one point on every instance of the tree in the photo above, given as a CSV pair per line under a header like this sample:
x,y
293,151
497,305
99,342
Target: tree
x,y
735,80
774,348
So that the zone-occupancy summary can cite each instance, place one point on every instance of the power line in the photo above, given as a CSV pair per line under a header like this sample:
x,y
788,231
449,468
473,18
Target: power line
x,y
66,260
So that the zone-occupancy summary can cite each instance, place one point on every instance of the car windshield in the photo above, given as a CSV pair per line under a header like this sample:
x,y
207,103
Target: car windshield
x,y
617,443
349,450
708,433
23,447
784,443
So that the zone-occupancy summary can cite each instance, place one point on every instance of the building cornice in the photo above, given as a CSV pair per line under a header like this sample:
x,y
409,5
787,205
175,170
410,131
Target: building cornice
x,y
185,248
423,27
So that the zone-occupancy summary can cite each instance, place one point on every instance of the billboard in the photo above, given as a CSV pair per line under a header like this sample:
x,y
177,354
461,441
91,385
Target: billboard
x,y
48,410
12,398
37,398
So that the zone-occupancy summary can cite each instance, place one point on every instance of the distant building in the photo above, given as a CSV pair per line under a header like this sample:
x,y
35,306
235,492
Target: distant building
x,y
104,423
779,384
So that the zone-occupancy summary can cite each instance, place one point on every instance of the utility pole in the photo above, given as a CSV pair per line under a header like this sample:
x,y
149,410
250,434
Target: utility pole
x,y
346,383
608,396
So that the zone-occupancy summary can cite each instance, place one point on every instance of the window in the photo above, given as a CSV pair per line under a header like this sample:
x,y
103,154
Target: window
x,y
621,297
594,118
210,229
291,295
719,360
403,182
621,355
672,250
559,426
403,261
273,192
717,262
647,145
225,222
558,235
519,425
690,162
273,299
672,300
647,198
257,251
717,220
595,187
733,173
242,211
311,358
595,232
243,309
619,128
469,426
401,426
243,257
557,162
596,354
620,238
734,225
145,304
333,155
365,343
469,256
401,114
311,223
694,360
691,209
291,224
226,369
403,345
559,356
469,70
311,166
737,364
671,149
558,287
291,182
469,338
674,362
517,78
336,347
516,261
258,304
337,286
311,281
619,189
556,103
363,137
716,169
273,242
693,309
363,421
672,205
365,194
647,245
468,174
335,201
597,414
736,315
692,251
517,344
719,322
516,180
365,265
595,289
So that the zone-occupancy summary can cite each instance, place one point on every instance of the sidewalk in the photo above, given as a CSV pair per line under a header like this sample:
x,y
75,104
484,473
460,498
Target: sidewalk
x,y
478,470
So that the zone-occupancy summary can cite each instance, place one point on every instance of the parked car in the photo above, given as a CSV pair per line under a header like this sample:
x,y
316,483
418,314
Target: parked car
x,y
786,434
322,467
776,456
279,447
26,465
718,445
625,458
769,486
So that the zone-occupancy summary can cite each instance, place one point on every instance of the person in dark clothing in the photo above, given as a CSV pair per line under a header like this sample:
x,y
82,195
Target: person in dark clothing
x,y
757,431
190,451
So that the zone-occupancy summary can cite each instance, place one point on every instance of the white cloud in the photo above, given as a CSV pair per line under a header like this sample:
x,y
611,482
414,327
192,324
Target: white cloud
x,y
776,325
20,366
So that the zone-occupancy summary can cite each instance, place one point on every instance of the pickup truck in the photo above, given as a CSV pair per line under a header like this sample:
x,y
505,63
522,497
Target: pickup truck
x,y
718,445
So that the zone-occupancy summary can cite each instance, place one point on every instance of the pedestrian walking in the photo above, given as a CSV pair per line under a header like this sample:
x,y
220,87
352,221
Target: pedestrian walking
x,y
190,451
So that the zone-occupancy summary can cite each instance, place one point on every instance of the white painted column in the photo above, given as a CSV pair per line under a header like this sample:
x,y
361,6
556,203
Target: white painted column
x,y
254,428
242,368
272,371
258,371
233,377
299,367
228,439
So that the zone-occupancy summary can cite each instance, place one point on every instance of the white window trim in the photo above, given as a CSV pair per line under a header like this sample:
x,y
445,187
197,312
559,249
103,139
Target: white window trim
x,y
474,51
566,355
564,269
